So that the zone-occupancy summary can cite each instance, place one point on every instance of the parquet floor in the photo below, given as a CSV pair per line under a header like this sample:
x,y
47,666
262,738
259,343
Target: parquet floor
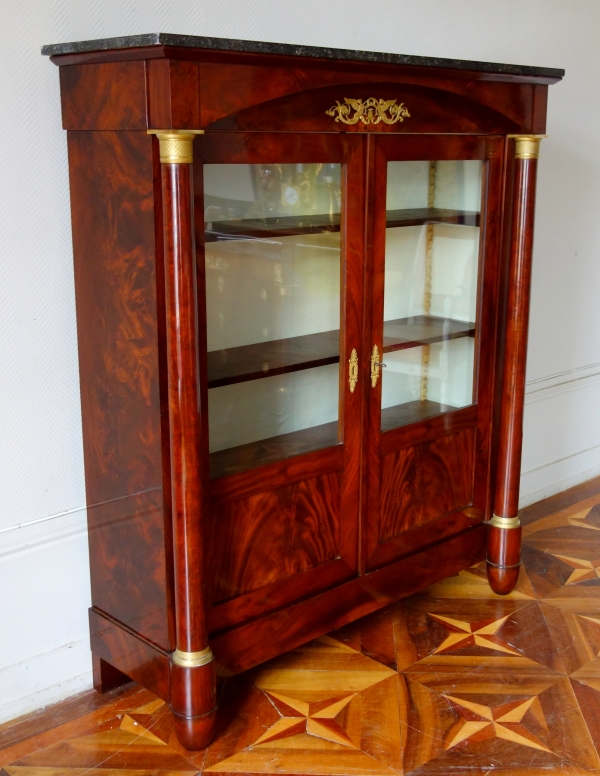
x,y
454,680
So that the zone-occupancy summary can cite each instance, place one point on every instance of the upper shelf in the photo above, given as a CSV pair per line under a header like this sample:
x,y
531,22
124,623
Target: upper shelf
x,y
286,226
257,228
266,359
419,330
276,357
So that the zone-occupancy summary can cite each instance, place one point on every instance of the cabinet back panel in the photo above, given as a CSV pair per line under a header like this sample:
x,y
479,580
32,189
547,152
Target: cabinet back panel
x,y
271,536
422,483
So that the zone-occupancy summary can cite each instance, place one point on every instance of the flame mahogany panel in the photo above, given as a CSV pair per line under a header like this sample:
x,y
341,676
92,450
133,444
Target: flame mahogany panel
x,y
400,498
112,205
110,95
420,484
273,535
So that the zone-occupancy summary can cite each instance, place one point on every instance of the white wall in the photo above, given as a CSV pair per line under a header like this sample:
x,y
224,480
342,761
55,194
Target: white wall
x,y
43,566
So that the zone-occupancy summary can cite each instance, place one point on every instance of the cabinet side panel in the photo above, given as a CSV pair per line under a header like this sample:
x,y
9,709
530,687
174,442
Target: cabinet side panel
x,y
112,203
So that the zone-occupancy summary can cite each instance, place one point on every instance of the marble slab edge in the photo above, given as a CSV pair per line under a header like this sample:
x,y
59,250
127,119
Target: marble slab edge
x,y
286,49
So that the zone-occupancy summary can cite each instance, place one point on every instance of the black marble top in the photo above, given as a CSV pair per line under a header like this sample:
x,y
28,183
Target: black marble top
x,y
256,47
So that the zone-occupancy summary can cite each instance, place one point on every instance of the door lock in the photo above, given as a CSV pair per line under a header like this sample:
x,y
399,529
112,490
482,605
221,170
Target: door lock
x,y
376,365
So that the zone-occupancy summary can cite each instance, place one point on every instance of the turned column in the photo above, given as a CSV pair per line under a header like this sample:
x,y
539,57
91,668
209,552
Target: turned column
x,y
192,671
504,529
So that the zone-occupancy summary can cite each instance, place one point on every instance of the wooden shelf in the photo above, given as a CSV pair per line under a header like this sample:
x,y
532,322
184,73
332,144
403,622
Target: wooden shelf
x,y
411,412
265,451
238,459
286,226
431,215
418,330
266,359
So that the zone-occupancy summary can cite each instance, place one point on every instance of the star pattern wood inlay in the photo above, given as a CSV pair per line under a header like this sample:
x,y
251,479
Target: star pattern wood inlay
x,y
583,570
504,721
477,634
451,681
322,719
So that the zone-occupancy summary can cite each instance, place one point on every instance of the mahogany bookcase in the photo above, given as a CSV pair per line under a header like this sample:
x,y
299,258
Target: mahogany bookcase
x,y
302,281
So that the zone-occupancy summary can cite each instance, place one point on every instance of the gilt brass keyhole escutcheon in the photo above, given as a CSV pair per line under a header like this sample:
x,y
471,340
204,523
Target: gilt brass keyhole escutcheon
x,y
376,365
353,370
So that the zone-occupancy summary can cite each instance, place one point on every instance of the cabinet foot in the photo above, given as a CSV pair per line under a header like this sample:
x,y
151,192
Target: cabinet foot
x,y
502,580
194,732
107,677
193,700
503,554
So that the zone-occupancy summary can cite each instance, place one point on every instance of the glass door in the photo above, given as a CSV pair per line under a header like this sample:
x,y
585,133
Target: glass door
x,y
273,306
282,233
434,245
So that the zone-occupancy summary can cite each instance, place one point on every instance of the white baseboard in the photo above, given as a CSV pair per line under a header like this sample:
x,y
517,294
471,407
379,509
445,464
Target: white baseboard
x,y
45,679
554,478
45,583
561,441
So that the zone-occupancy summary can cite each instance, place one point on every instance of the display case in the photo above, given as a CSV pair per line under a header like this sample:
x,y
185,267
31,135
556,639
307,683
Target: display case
x,y
302,281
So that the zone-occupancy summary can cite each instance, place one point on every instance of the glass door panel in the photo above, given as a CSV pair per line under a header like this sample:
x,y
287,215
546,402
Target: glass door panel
x,y
430,289
273,268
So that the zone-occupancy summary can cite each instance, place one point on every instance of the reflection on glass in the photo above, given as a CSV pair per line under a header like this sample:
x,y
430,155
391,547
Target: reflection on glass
x,y
430,300
273,310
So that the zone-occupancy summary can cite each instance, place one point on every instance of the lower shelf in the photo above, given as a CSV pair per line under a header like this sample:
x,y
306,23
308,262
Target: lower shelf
x,y
264,451
238,459
411,412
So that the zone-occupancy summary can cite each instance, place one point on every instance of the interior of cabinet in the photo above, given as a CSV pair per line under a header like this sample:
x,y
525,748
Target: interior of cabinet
x,y
431,280
273,266
273,278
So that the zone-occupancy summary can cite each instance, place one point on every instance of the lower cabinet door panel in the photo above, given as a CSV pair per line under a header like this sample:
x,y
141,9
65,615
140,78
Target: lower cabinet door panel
x,y
271,536
423,484
275,547
419,484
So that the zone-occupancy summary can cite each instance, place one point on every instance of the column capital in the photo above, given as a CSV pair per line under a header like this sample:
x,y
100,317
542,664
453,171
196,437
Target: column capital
x,y
527,146
176,145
